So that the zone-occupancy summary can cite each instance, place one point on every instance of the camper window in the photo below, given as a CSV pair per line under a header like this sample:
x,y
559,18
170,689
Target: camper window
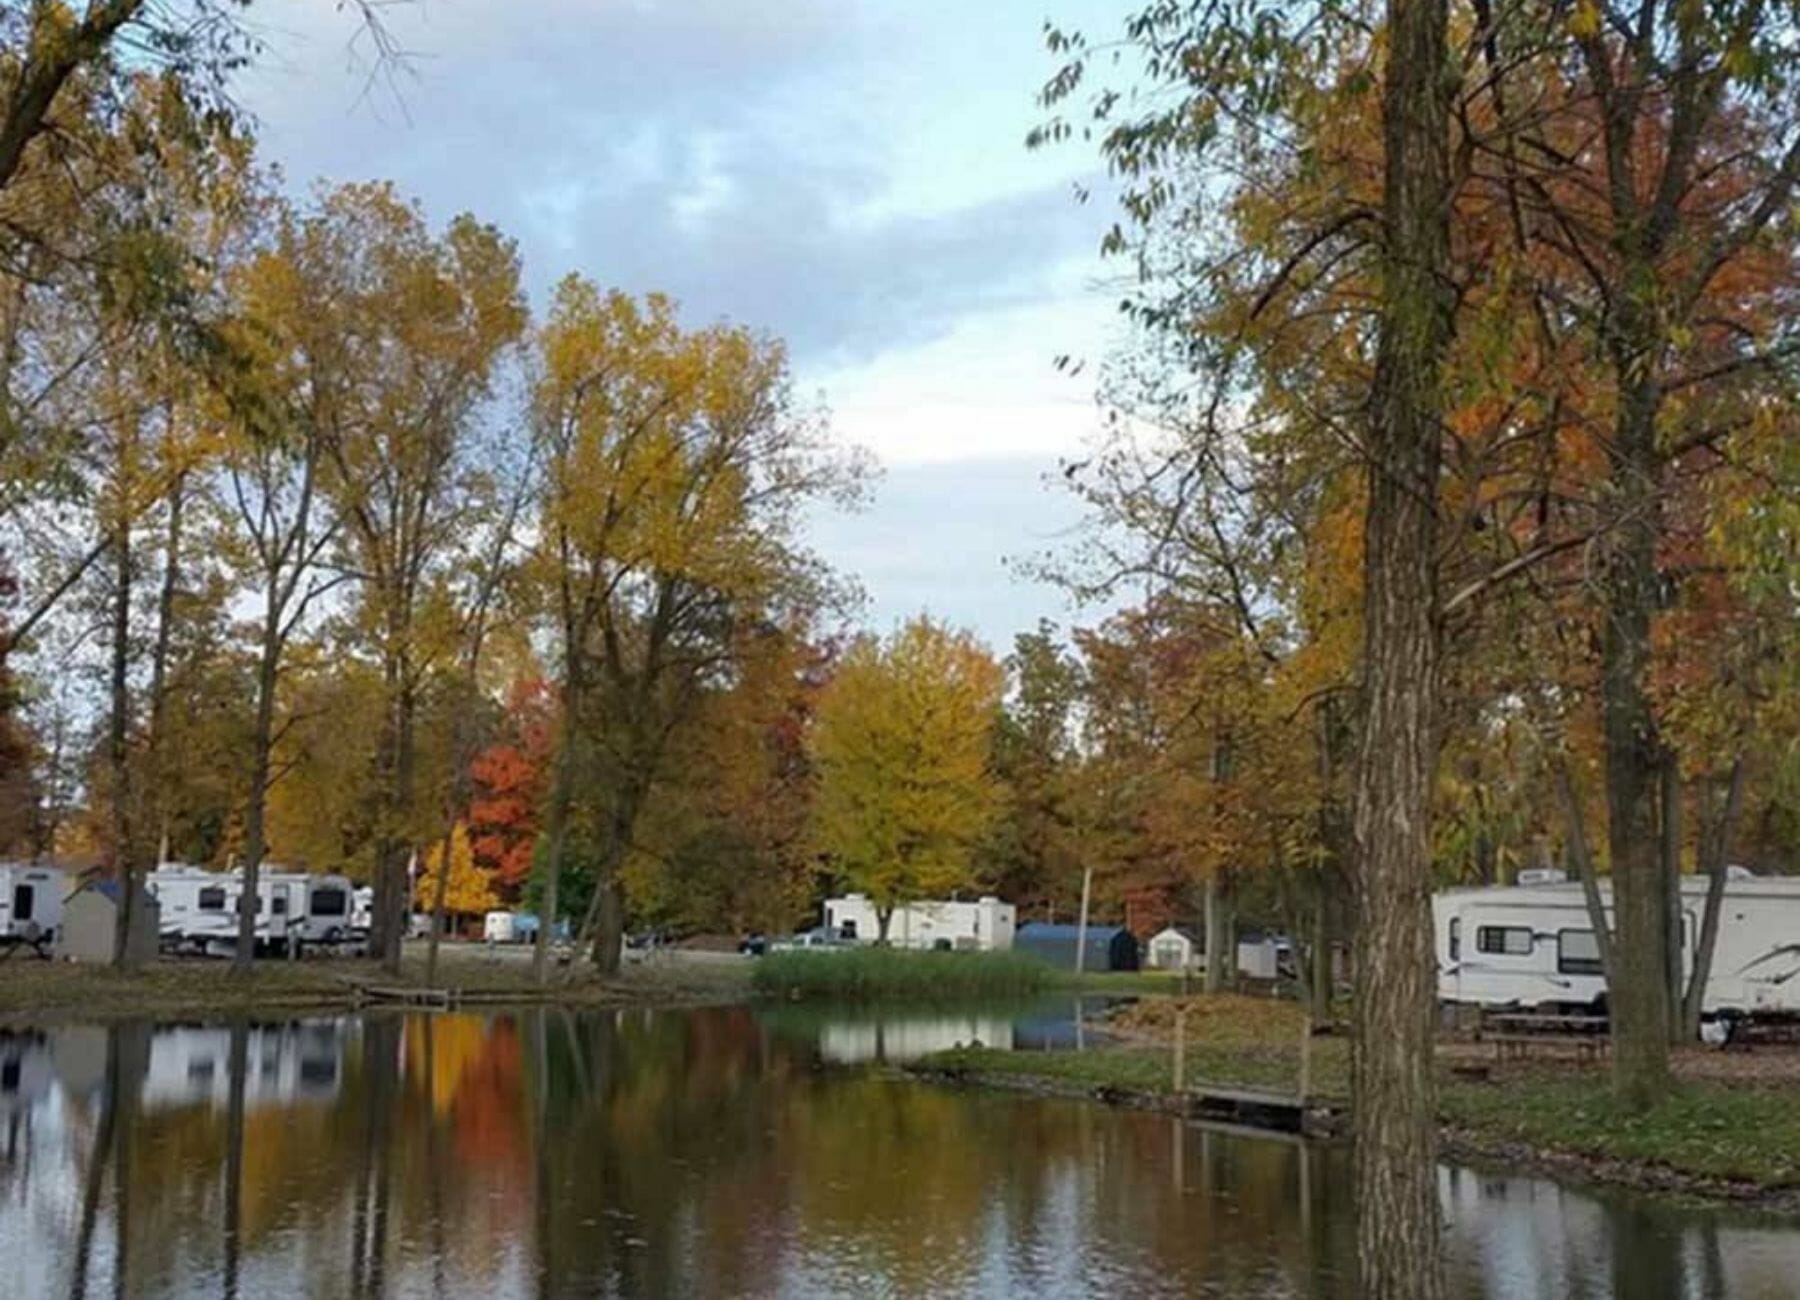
x,y
212,899
329,902
1456,938
278,904
1510,940
1577,953
22,898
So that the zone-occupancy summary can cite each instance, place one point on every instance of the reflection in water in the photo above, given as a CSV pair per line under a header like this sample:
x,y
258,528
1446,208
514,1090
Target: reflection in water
x,y
710,1153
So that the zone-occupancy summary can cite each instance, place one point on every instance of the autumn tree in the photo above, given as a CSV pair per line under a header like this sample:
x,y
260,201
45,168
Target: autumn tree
x,y
454,881
272,468
1249,83
904,749
508,779
676,468
399,350
1030,857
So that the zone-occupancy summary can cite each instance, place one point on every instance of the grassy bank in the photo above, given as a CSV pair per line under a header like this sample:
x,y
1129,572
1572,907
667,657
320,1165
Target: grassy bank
x,y
864,974
1737,1132
1720,1140
37,991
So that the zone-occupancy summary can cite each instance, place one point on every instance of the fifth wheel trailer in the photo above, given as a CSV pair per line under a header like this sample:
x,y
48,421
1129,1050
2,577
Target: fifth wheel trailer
x,y
1533,945
199,907
31,900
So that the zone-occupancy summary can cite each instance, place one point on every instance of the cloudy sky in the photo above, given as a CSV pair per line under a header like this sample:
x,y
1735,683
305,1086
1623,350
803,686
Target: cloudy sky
x,y
848,174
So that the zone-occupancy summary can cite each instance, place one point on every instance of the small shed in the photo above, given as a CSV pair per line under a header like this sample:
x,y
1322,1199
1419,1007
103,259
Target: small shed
x,y
1109,947
1176,948
90,917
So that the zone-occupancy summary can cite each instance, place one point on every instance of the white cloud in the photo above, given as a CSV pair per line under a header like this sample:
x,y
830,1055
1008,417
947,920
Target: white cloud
x,y
847,174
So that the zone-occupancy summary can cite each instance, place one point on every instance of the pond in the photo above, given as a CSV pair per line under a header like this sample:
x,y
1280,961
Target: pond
x,y
721,1152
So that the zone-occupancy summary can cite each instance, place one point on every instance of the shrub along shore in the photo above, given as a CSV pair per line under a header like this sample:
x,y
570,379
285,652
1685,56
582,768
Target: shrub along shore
x,y
867,974
1716,1140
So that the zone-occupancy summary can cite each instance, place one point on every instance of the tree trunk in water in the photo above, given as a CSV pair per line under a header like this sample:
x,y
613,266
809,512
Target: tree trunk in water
x,y
1715,852
234,1155
119,753
1393,1087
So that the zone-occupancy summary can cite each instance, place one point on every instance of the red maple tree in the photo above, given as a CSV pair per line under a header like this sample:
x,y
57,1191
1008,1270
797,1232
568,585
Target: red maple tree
x,y
509,782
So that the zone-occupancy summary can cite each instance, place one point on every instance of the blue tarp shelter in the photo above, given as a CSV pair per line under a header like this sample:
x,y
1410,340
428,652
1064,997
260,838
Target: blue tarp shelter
x,y
1109,947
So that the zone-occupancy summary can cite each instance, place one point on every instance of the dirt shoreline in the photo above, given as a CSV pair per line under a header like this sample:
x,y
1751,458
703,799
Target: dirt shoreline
x,y
36,994
1457,1142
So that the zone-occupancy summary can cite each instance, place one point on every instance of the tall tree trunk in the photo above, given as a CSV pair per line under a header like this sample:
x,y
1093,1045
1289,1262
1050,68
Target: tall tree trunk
x,y
1392,1075
386,917
440,890
401,846
256,811
604,923
1640,994
1321,959
556,833
118,750
1583,860
160,765
609,932
1215,936
1674,921
1715,851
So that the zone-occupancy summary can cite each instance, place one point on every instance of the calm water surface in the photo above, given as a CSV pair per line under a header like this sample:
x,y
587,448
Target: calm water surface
x,y
716,1153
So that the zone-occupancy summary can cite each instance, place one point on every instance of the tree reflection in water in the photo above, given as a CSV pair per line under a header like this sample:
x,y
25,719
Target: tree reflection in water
x,y
649,1154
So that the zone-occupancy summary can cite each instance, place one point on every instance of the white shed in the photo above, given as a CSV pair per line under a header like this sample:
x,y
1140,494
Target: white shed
x,y
90,917
1175,948
1178,948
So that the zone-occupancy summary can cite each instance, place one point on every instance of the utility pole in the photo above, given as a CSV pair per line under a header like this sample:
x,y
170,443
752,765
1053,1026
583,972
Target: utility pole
x,y
1087,889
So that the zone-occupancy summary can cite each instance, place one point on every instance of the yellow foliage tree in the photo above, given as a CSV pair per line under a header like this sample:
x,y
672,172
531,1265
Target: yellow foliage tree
x,y
470,890
903,747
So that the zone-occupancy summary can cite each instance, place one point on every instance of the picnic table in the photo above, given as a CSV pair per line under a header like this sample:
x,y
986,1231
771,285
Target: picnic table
x,y
1519,1035
38,941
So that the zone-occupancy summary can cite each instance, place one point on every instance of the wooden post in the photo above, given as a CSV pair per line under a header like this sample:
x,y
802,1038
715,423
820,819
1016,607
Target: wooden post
x,y
1180,1051
1306,1036
1087,889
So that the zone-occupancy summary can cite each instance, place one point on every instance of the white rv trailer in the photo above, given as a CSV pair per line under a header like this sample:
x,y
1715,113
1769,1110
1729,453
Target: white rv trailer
x,y
31,900
1532,945
200,907
985,925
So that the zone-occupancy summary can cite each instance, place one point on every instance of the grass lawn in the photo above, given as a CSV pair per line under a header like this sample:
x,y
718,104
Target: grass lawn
x,y
1735,1131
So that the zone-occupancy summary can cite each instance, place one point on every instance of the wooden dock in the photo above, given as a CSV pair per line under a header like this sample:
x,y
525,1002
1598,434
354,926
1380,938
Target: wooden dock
x,y
1282,1112
403,995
